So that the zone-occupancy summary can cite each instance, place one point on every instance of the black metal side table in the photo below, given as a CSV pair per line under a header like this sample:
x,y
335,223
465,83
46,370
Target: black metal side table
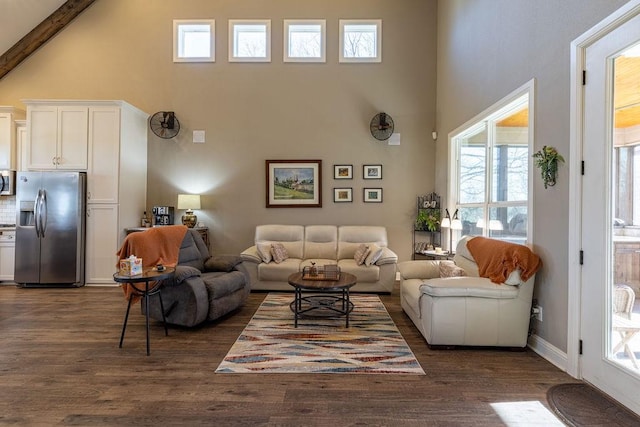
x,y
147,276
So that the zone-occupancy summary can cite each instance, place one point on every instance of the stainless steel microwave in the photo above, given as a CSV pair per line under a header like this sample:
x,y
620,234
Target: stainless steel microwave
x,y
8,183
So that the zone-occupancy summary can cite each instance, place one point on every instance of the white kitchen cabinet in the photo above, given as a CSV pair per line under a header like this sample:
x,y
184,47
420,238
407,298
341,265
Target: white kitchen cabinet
x,y
22,146
7,255
116,182
57,135
102,242
8,117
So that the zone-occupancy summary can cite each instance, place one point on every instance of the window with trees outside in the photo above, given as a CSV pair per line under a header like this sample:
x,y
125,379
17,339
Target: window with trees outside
x,y
250,40
193,40
360,40
492,170
305,40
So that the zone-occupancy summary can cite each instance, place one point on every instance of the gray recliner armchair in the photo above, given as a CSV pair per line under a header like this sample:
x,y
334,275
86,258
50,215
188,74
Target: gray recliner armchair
x,y
204,288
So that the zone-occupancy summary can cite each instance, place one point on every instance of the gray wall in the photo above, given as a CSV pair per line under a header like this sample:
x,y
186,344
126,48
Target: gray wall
x,y
122,49
487,49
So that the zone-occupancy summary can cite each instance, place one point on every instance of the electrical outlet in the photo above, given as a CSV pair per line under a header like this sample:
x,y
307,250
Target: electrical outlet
x,y
537,312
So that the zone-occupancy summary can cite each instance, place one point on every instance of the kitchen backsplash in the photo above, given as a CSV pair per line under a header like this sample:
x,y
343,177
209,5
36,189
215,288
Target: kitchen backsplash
x,y
8,210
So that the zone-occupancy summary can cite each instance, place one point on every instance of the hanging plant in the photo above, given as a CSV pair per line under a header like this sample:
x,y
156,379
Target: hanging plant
x,y
547,160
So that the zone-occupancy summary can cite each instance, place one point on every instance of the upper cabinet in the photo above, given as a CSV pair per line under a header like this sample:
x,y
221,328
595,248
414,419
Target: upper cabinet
x,y
8,117
57,136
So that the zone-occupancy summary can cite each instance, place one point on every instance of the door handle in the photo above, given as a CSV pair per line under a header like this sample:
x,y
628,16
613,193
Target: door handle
x,y
43,213
36,213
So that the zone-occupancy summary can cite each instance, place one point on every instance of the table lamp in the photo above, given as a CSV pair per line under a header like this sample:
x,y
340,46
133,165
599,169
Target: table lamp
x,y
189,202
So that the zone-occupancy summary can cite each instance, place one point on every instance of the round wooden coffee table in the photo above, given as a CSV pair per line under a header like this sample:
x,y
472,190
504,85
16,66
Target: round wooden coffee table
x,y
324,305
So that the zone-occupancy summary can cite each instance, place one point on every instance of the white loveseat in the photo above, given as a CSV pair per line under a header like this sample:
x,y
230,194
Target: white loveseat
x,y
468,310
324,245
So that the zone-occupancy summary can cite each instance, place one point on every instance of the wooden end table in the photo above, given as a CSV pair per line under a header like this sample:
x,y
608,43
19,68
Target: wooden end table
x,y
148,275
322,306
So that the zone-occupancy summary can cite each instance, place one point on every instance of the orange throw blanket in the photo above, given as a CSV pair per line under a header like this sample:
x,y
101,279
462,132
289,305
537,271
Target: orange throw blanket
x,y
497,259
157,245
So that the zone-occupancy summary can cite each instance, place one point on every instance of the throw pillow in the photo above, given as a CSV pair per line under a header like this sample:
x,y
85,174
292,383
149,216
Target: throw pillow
x,y
279,252
450,269
375,252
264,252
361,254
224,263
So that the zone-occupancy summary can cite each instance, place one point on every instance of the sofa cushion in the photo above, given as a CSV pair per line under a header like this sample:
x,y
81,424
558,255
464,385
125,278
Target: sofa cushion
x,y
279,252
291,237
320,241
221,284
351,236
467,287
278,272
189,254
361,254
362,272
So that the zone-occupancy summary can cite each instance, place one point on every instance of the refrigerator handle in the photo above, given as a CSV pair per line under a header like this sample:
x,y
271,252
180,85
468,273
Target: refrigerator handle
x,y
43,213
36,213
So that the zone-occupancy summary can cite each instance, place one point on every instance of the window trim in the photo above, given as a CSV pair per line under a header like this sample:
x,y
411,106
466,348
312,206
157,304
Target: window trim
x,y
492,113
176,40
323,40
378,24
233,23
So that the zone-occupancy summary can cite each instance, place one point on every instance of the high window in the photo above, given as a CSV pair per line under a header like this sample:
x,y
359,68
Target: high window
x,y
360,40
250,40
304,40
491,169
193,40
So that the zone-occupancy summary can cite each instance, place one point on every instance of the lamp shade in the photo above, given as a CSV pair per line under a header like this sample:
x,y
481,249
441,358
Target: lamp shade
x,y
188,201
446,222
456,224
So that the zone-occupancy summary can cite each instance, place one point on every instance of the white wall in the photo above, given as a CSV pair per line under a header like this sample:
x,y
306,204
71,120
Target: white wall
x,y
488,48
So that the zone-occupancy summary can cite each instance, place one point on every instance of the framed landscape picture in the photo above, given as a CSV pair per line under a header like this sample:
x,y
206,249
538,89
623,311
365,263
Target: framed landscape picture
x,y
342,171
342,195
371,171
294,183
373,195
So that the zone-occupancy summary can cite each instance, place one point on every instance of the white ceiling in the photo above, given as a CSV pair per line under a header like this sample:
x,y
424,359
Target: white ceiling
x,y
18,17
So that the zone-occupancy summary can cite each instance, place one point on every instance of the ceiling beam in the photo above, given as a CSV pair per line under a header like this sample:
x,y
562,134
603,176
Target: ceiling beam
x,y
48,28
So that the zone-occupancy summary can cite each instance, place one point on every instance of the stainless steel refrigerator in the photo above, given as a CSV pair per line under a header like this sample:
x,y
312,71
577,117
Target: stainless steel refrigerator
x,y
50,228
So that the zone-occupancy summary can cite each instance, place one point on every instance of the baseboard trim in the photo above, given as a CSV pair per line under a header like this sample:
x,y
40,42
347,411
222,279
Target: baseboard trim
x,y
548,351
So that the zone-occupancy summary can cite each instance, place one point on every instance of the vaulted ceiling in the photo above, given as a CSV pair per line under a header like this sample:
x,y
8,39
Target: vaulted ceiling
x,y
33,23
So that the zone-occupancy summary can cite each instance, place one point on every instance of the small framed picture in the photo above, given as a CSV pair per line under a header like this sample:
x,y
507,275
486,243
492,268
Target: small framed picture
x,y
343,195
342,171
372,172
373,195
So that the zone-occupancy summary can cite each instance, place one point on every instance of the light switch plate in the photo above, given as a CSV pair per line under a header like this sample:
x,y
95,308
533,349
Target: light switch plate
x,y
395,139
198,137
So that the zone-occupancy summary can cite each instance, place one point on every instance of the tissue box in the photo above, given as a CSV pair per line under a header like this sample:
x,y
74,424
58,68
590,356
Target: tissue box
x,y
130,266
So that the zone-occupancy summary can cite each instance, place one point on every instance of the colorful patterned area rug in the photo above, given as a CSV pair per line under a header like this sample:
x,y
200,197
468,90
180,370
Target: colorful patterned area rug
x,y
371,345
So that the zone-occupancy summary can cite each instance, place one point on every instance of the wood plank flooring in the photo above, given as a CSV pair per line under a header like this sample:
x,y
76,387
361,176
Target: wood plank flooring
x,y
60,365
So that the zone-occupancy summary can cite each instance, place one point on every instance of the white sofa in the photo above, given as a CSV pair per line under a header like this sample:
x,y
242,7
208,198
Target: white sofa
x,y
322,244
468,310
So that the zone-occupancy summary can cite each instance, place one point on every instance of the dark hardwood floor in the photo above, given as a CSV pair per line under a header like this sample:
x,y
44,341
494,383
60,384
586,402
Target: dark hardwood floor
x,y
60,365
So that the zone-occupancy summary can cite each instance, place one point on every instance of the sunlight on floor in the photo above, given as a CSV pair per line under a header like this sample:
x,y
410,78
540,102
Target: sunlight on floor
x,y
518,414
